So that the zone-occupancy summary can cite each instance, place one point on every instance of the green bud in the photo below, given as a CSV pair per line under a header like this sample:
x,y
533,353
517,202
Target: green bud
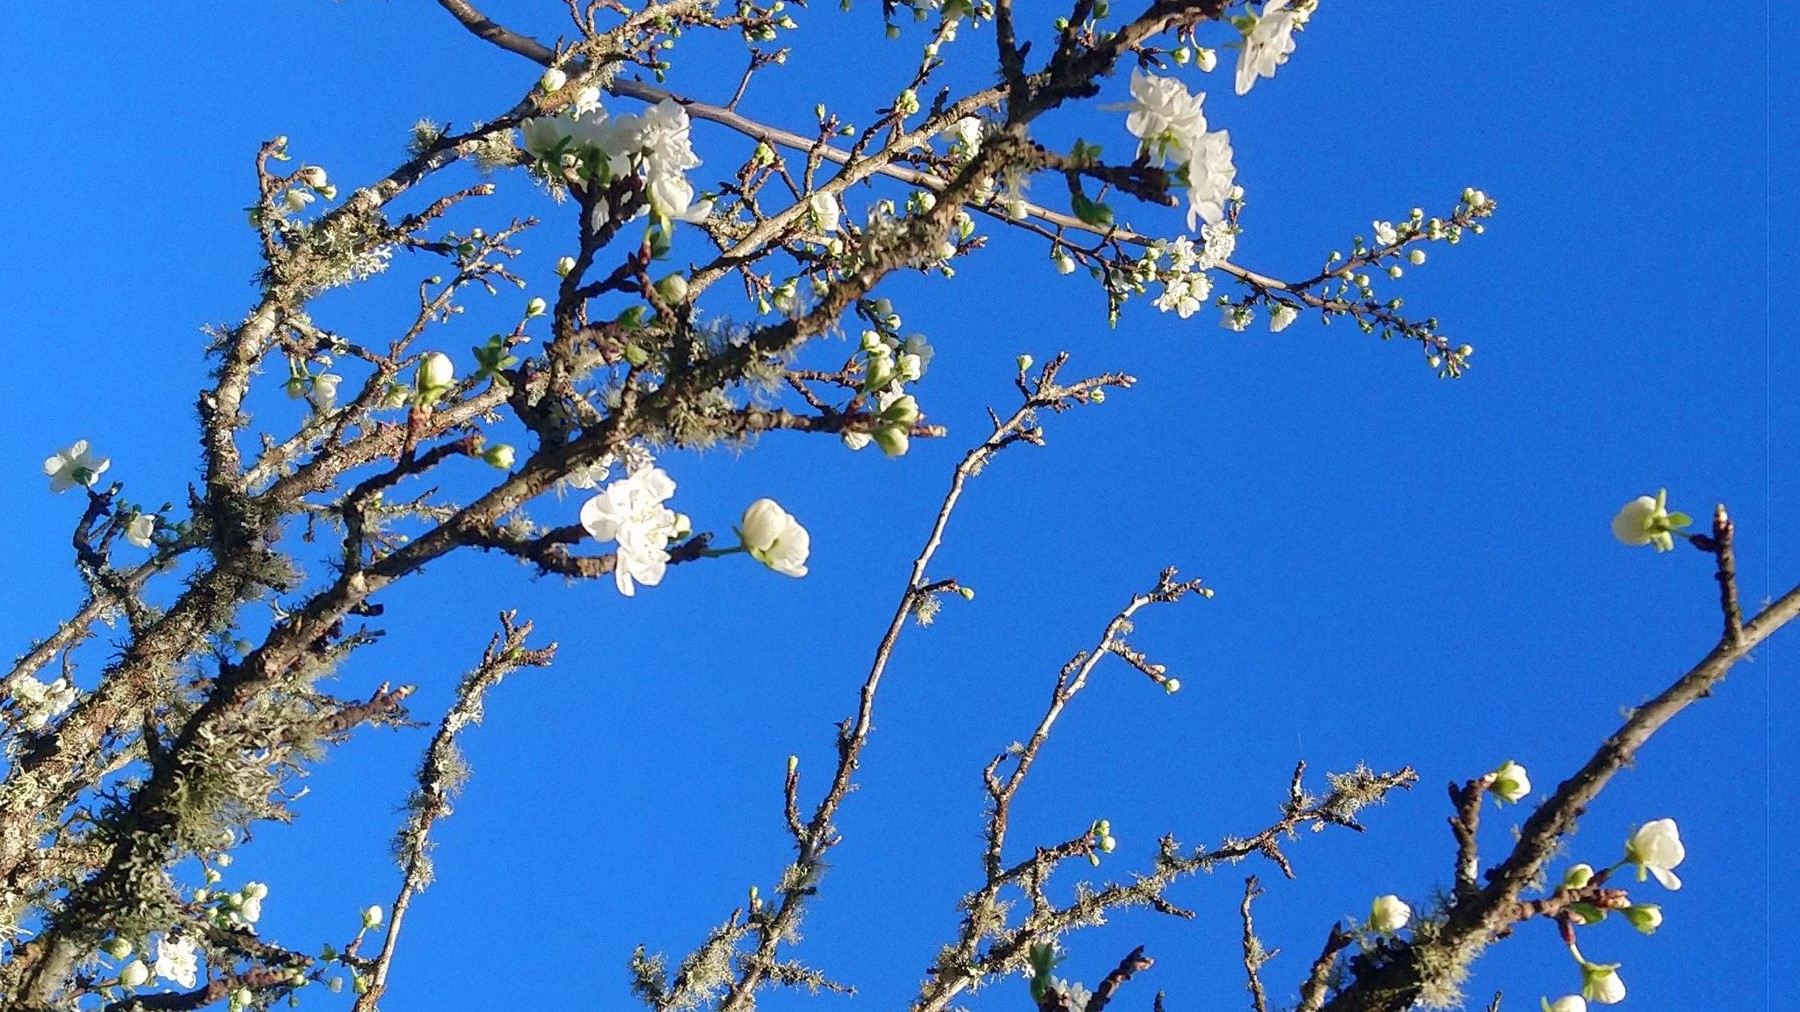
x,y
673,289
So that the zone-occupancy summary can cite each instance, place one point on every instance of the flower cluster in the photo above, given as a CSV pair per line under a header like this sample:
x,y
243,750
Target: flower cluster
x,y
888,363
177,961
631,512
1654,849
1171,126
40,703
1186,285
1268,39
656,144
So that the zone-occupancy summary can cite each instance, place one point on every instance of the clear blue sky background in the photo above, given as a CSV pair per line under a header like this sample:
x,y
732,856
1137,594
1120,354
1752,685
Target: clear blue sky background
x,y
1408,570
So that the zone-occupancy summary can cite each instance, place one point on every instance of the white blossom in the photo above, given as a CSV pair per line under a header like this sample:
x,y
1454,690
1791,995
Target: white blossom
x,y
1384,233
1164,116
74,466
176,961
1210,173
1281,316
823,206
1511,783
1656,848
1601,984
965,134
1647,521
631,512
324,391
1236,318
1389,914
40,703
774,538
1567,1003
1268,43
1184,294
139,530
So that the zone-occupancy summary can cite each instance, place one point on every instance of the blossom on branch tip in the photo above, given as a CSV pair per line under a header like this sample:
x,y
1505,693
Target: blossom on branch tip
x,y
1656,848
1282,315
371,917
76,465
1389,914
1647,521
1600,983
774,538
1511,783
1269,41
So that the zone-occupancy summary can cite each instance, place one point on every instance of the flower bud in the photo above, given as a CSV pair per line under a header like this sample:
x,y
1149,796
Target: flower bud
x,y
553,80
1578,876
565,266
673,289
499,455
134,974
312,175
1567,1003
967,593
1207,59
893,440
116,947
1025,363
1646,917
536,307
1171,685
1417,257
371,916
436,373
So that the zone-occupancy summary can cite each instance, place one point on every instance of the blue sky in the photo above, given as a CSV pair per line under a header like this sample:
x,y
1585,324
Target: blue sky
x,y
1407,570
